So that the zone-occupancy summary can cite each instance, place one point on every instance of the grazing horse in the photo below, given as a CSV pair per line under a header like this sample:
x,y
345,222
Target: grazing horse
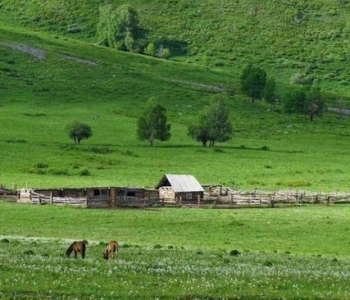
x,y
111,250
77,247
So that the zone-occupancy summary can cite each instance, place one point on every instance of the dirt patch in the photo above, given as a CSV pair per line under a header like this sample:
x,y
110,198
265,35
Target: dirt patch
x,y
80,60
41,54
36,52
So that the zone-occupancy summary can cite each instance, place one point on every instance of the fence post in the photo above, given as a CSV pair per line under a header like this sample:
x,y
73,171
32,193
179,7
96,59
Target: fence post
x,y
51,198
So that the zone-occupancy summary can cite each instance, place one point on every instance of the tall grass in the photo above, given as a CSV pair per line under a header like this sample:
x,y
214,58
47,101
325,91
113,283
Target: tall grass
x,y
287,253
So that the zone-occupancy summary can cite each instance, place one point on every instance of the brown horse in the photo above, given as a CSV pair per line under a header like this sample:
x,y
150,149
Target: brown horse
x,y
77,247
111,250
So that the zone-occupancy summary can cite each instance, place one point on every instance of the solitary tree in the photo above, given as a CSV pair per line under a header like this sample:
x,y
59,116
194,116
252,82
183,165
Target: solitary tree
x,y
253,81
118,27
214,124
152,125
79,131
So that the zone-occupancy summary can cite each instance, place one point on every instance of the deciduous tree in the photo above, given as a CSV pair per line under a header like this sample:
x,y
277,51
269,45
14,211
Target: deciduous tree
x,y
214,124
78,131
307,101
152,125
118,27
253,81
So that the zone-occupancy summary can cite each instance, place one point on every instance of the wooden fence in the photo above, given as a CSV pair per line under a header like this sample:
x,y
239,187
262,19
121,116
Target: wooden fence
x,y
94,202
255,198
217,197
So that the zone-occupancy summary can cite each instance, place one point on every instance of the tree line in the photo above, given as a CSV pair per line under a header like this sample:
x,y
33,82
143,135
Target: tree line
x,y
213,124
152,125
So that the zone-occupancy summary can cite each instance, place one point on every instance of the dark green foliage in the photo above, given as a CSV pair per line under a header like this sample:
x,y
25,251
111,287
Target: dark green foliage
x,y
41,165
269,92
267,264
5,241
29,252
152,125
214,124
79,131
307,101
294,102
253,81
235,252
118,27
315,103
85,172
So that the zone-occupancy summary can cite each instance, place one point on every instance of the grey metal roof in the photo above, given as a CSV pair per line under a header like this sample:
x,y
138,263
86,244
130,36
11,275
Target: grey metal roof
x,y
181,183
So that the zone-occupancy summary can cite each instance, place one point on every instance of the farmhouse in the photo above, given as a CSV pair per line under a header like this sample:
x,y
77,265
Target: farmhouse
x,y
179,188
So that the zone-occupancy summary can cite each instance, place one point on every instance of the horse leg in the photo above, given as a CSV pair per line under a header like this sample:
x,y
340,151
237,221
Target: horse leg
x,y
75,254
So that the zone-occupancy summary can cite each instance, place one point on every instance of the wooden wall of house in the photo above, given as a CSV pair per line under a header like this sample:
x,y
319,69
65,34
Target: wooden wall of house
x,y
92,197
166,193
189,196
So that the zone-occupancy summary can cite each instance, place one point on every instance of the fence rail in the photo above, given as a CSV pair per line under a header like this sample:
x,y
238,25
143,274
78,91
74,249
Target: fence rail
x,y
225,198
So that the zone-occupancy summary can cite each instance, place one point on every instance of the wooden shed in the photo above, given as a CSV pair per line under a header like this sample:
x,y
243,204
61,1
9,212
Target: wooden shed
x,y
180,188
93,197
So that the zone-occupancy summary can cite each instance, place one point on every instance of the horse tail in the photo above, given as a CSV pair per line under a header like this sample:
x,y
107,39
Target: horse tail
x,y
83,249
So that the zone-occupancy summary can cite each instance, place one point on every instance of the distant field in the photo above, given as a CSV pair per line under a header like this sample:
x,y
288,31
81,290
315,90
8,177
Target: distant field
x,y
288,253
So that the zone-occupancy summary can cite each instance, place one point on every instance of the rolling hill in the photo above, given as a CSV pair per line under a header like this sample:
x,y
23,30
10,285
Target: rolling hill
x,y
53,72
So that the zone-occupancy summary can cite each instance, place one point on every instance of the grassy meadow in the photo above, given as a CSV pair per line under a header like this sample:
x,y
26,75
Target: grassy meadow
x,y
40,96
52,72
290,253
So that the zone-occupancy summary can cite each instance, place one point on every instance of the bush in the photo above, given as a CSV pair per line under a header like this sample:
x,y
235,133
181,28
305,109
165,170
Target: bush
x,y
301,79
267,264
85,172
41,165
28,252
235,253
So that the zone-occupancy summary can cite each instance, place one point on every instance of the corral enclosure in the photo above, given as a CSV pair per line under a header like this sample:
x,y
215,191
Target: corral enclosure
x,y
213,197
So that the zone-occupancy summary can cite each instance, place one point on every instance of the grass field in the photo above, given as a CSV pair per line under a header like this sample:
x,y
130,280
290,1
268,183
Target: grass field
x,y
269,150
292,253
52,73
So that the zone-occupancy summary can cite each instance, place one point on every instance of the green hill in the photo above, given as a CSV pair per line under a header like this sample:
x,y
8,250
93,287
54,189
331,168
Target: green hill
x,y
284,37
53,72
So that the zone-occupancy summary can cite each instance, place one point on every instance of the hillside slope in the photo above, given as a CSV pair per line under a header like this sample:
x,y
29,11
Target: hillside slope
x,y
310,38
49,79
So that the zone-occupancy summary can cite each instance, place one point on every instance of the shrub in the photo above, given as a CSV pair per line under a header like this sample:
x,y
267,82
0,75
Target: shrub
x,y
28,252
41,165
85,172
5,241
268,264
235,253
301,79
157,246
